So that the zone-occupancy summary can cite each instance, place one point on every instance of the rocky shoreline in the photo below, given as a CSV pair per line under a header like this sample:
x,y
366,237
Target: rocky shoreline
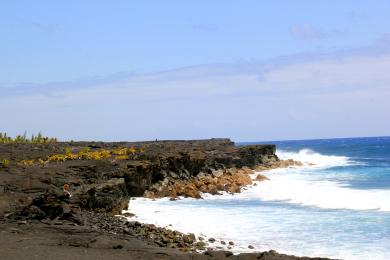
x,y
66,195
230,180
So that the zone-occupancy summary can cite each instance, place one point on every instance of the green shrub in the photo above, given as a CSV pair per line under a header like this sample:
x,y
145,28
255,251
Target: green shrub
x,y
23,139
5,162
68,150
84,150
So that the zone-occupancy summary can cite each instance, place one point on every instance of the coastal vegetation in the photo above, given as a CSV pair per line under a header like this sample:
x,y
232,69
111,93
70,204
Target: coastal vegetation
x,y
39,179
85,153
69,153
35,139
4,162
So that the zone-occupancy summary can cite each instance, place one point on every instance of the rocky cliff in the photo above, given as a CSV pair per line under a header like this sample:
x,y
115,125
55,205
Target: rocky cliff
x,y
59,199
33,187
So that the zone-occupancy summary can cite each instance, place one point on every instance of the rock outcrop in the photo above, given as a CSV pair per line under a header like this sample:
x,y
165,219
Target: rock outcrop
x,y
65,194
35,188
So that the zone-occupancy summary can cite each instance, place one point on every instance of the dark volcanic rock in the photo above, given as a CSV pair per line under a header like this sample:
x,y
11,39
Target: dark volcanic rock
x,y
71,202
110,196
105,185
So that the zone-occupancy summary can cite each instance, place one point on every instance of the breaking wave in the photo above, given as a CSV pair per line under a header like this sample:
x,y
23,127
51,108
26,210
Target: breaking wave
x,y
308,156
298,186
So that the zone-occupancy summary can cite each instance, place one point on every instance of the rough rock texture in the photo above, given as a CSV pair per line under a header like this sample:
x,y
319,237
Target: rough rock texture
x,y
105,185
79,196
230,180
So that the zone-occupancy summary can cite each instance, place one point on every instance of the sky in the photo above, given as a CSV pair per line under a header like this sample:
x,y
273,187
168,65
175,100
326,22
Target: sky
x,y
248,70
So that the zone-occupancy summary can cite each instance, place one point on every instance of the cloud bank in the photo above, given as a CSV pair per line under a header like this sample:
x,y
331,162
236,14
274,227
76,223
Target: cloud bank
x,y
334,94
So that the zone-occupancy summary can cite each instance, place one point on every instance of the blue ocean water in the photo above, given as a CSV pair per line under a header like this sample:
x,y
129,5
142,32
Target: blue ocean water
x,y
337,205
371,155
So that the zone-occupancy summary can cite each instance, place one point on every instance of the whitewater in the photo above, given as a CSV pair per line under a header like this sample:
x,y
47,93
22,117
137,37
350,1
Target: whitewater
x,y
336,205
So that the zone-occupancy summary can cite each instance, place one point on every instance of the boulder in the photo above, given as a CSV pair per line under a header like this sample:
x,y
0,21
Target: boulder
x,y
261,177
217,173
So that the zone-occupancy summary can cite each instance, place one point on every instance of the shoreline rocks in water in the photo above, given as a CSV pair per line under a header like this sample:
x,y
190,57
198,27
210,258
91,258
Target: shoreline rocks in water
x,y
63,192
230,180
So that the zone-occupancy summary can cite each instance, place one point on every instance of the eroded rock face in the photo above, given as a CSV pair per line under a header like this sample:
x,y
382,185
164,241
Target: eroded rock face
x,y
278,164
79,197
230,180
163,168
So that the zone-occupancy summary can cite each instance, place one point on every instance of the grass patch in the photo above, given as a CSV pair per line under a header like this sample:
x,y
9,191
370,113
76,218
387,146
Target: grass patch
x,y
85,154
38,139
4,162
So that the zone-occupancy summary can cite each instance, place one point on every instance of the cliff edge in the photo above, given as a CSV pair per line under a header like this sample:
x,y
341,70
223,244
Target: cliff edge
x,y
68,192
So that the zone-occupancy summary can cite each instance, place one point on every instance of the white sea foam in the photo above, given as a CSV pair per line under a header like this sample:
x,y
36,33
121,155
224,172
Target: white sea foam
x,y
247,219
287,230
300,189
288,186
303,186
308,156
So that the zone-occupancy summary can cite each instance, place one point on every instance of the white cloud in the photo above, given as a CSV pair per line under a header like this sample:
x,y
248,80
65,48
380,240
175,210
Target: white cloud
x,y
336,75
338,94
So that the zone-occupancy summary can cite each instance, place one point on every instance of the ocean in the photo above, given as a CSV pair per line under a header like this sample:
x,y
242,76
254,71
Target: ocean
x,y
339,207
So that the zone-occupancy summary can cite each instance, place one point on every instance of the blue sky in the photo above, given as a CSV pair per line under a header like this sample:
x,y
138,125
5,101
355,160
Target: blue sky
x,y
249,70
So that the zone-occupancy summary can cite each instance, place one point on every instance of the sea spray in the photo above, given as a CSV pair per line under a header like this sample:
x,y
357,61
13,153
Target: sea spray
x,y
315,210
309,157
